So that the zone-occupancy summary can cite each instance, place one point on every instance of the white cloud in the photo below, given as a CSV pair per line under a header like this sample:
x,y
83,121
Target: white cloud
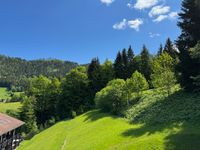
x,y
107,2
121,25
152,35
159,10
129,5
142,4
133,24
171,16
160,18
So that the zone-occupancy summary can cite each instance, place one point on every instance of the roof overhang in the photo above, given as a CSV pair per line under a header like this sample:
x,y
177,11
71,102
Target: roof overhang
x,y
8,123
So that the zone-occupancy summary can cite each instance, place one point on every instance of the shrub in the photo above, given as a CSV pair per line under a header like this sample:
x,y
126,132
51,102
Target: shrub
x,y
110,98
135,84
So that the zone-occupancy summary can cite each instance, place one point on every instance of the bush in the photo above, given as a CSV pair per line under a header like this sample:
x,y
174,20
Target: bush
x,y
110,98
16,98
135,84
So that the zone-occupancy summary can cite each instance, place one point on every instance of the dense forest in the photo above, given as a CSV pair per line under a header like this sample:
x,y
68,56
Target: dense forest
x,y
15,71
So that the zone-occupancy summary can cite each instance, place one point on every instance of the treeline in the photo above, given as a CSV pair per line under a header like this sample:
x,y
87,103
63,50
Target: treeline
x,y
114,87
108,86
15,71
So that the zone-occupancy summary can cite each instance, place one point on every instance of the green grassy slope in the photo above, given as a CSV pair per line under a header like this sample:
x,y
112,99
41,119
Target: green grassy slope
x,y
158,123
9,106
100,131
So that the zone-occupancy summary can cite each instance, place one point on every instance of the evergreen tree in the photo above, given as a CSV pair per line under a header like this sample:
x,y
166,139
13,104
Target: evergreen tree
x,y
124,57
94,75
195,55
145,64
131,62
27,114
169,48
190,35
93,68
125,64
160,50
118,66
130,54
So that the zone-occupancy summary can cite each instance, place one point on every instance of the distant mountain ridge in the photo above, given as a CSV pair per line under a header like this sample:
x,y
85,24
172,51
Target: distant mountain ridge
x,y
14,70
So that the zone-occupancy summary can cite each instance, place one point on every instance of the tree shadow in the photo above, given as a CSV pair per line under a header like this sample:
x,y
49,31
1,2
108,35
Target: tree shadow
x,y
146,130
179,110
187,139
96,115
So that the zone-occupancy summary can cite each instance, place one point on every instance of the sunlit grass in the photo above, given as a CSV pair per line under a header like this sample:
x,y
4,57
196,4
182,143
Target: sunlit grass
x,y
4,94
9,106
99,131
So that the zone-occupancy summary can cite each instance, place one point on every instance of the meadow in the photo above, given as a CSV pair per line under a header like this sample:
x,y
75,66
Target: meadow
x,y
158,123
9,106
4,94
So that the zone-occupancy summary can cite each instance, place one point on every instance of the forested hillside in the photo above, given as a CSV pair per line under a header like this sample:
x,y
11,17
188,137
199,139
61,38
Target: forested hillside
x,y
14,71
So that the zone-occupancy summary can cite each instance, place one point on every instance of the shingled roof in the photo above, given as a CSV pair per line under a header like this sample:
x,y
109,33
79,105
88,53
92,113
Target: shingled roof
x,y
8,123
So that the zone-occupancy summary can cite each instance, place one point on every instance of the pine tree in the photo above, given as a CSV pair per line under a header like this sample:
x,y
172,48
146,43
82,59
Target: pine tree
x,y
195,54
124,57
160,50
93,67
190,25
125,64
94,75
145,66
130,54
131,62
169,48
118,66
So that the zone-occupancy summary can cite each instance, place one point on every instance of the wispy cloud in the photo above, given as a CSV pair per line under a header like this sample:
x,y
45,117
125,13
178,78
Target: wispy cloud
x,y
173,15
159,10
133,24
160,18
153,35
129,5
107,2
170,16
143,4
121,25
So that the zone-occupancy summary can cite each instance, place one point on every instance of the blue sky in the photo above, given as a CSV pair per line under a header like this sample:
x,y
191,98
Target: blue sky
x,y
78,30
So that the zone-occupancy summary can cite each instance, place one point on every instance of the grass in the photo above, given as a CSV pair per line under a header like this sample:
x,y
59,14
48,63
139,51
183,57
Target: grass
x,y
9,106
4,94
100,131
157,123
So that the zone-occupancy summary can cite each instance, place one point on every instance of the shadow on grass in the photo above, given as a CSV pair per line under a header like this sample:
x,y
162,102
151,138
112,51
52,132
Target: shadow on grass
x,y
96,115
146,130
180,110
184,140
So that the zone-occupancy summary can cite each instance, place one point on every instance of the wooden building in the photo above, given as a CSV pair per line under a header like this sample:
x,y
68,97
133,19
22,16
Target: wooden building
x,y
9,136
